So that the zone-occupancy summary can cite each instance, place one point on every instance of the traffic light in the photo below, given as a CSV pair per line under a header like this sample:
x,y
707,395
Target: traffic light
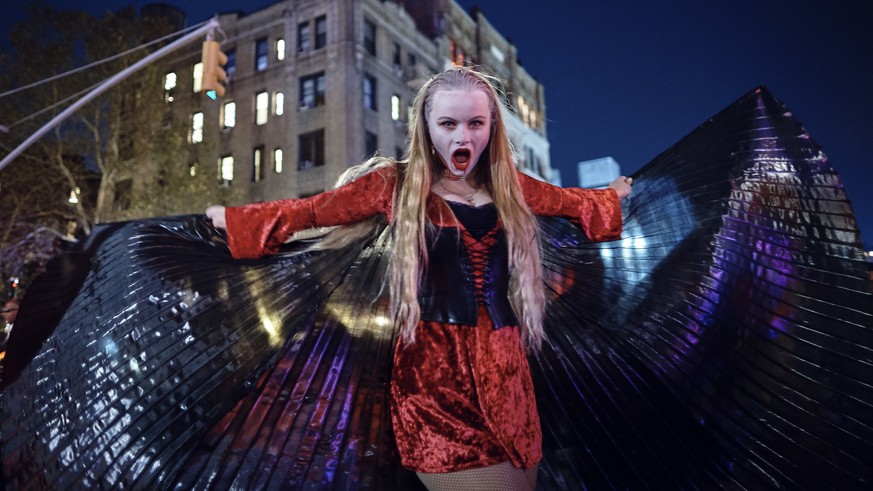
x,y
213,73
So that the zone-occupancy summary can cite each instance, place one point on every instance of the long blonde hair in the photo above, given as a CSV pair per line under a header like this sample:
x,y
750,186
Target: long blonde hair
x,y
496,171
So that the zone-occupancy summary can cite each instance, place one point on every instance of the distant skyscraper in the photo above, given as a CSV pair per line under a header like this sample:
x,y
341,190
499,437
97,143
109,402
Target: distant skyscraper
x,y
597,173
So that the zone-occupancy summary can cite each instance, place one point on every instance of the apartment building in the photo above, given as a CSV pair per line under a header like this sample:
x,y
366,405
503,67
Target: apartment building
x,y
315,86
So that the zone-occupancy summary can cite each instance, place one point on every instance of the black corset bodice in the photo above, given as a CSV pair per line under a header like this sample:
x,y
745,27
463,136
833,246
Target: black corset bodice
x,y
468,269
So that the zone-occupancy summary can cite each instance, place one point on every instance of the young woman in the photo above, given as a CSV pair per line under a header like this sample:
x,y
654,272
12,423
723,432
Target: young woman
x,y
465,279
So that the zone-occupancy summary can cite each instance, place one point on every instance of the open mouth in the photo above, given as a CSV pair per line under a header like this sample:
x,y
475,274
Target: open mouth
x,y
461,158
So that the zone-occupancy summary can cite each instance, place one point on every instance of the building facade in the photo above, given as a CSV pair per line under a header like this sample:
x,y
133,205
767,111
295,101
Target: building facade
x,y
315,86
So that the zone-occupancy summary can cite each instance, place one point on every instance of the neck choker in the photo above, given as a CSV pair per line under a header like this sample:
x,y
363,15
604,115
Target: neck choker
x,y
446,174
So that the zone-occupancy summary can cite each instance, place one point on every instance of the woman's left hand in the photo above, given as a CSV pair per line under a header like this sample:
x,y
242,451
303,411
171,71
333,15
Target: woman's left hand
x,y
622,186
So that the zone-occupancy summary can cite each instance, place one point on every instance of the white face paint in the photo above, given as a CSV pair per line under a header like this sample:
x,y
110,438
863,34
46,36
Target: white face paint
x,y
459,124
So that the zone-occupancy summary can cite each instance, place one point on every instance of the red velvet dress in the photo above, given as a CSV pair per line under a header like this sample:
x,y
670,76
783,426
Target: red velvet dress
x,y
462,396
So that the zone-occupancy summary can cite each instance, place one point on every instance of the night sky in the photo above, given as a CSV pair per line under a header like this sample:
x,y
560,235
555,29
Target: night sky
x,y
629,79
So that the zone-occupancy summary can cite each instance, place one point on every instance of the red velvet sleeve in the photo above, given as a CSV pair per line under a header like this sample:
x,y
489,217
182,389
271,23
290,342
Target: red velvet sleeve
x,y
259,229
596,211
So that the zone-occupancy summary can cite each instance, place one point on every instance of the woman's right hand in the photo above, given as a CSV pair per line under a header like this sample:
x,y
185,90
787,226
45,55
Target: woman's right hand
x,y
217,214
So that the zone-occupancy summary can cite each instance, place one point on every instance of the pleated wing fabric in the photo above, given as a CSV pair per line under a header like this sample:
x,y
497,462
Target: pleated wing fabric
x,y
725,341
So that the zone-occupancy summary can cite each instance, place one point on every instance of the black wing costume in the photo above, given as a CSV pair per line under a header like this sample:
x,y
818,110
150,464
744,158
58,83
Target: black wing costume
x,y
725,341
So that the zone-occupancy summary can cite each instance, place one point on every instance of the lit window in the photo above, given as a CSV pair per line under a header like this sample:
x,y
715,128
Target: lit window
x,y
198,77
257,164
279,103
262,107
311,91
523,110
395,107
280,49
261,54
169,85
196,128
497,54
457,54
277,160
303,37
228,115
320,32
74,195
225,169
369,91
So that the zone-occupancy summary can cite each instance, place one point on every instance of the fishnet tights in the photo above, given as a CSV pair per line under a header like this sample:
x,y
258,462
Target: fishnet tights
x,y
498,477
